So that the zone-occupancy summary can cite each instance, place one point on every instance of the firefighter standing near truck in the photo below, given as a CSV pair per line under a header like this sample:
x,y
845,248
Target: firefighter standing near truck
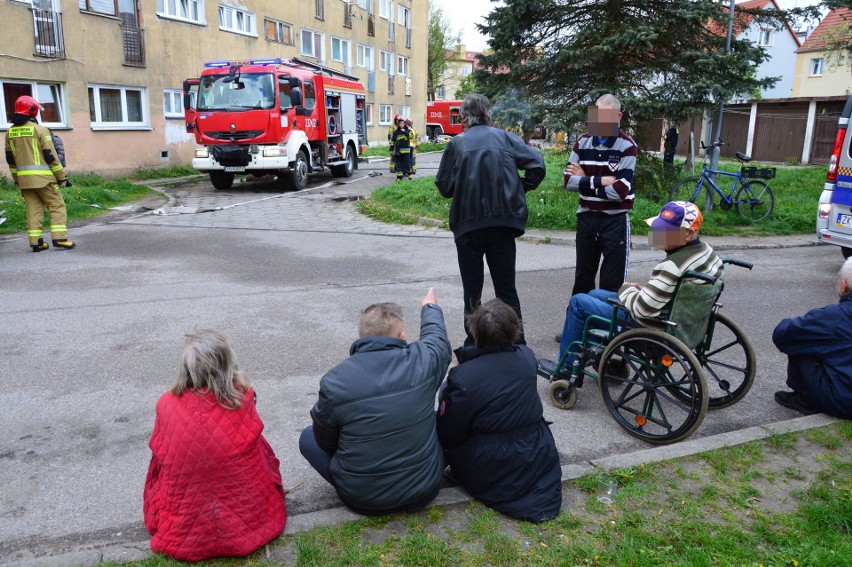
x,y
37,172
391,130
415,143
401,152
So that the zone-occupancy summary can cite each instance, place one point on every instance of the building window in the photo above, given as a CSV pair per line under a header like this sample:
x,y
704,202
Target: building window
x,y
117,108
402,65
364,57
386,61
384,115
765,38
238,21
172,103
279,32
312,44
816,67
403,17
49,96
368,111
386,9
105,7
465,71
441,92
320,9
340,50
366,5
187,10
404,111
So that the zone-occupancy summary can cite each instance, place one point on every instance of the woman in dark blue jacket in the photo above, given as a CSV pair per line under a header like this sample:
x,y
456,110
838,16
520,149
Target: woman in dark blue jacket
x,y
490,421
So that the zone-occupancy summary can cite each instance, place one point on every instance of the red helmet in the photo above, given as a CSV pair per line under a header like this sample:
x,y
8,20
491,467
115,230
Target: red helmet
x,y
27,105
397,118
409,121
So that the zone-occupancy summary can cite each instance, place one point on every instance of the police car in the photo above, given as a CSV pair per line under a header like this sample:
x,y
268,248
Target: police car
x,y
834,215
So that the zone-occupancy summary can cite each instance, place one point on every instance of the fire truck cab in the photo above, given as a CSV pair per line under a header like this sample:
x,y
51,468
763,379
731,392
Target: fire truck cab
x,y
443,117
285,118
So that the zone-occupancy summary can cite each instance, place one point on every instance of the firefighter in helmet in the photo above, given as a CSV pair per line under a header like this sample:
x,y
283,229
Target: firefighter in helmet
x,y
37,172
391,130
401,152
415,143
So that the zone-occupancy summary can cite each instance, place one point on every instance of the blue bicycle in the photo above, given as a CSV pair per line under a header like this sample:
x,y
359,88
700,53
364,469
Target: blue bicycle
x,y
752,198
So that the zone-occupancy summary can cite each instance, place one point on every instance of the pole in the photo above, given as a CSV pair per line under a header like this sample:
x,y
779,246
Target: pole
x,y
717,127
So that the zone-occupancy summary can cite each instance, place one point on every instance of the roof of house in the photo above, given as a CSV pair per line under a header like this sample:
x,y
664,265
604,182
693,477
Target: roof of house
x,y
821,38
743,21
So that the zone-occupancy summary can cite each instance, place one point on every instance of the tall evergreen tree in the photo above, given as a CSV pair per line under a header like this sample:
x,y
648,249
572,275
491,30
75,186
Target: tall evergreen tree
x,y
660,57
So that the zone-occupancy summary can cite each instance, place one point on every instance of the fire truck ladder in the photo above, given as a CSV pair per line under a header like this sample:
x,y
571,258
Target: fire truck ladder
x,y
324,69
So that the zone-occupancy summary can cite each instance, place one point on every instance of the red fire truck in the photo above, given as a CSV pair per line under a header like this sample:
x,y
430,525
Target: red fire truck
x,y
271,116
443,117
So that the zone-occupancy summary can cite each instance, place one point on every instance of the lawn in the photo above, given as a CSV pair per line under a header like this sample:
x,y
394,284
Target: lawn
x,y
796,189
90,195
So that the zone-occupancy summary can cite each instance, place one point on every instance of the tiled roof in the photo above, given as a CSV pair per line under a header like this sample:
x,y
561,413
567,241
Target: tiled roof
x,y
821,37
742,21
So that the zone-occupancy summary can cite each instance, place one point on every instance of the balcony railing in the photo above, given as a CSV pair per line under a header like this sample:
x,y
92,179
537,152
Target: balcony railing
x,y
49,41
134,45
408,38
371,81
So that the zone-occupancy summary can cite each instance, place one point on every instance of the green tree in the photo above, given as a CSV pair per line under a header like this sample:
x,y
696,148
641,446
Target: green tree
x,y
516,113
467,85
442,39
660,57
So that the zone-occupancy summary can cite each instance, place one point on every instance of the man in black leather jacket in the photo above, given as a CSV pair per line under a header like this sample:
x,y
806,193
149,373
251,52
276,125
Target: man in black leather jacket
x,y
373,435
479,172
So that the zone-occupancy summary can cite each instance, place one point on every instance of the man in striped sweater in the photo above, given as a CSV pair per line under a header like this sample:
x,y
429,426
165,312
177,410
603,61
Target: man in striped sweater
x,y
674,230
601,169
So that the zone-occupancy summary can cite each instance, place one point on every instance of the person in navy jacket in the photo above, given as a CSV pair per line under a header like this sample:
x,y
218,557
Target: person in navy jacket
x,y
819,349
491,423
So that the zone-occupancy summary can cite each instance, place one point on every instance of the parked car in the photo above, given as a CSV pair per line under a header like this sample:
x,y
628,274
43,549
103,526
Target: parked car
x,y
834,214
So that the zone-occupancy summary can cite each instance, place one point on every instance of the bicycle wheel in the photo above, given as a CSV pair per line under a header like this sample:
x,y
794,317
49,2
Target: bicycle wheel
x,y
691,189
729,364
754,200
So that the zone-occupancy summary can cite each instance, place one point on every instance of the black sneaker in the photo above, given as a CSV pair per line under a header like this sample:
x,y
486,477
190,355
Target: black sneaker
x,y
796,401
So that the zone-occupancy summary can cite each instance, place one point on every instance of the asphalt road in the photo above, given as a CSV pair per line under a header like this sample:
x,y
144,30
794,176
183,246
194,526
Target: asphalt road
x,y
91,338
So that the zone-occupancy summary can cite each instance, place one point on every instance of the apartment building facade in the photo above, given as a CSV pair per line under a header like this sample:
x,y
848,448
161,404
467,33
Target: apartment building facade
x,y
109,73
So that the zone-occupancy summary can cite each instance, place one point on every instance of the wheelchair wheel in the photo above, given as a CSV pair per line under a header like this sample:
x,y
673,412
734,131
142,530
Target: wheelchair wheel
x,y
653,386
728,365
562,395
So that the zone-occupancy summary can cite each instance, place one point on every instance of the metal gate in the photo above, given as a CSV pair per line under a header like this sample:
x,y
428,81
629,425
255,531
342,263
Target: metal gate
x,y
825,130
780,132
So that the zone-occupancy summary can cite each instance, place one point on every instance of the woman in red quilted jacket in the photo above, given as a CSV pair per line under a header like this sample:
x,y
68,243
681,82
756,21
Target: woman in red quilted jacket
x,y
213,487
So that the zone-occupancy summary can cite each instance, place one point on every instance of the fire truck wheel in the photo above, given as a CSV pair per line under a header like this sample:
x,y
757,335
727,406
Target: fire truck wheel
x,y
347,169
436,133
221,180
296,178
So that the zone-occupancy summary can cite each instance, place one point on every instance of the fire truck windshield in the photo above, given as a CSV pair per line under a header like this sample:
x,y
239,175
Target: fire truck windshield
x,y
244,91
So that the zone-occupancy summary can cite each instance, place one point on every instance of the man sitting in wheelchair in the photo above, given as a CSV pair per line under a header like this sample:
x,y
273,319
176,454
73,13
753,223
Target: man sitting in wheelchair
x,y
674,230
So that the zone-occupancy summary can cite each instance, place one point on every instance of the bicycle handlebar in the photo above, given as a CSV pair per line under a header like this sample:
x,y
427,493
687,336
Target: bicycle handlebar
x,y
740,263
718,144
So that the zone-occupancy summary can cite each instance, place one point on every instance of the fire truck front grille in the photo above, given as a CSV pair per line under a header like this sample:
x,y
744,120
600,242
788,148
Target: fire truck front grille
x,y
235,136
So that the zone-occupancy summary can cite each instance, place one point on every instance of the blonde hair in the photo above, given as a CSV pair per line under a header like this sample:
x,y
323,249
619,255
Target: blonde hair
x,y
210,365
381,320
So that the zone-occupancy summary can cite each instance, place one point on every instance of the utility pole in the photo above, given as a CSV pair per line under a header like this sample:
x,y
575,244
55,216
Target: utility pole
x,y
717,127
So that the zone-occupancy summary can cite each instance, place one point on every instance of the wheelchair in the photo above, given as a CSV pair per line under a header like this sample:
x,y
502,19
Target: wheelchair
x,y
658,382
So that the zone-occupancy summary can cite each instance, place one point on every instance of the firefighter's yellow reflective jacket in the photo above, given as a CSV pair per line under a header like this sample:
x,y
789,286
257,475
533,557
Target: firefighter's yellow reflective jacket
x,y
32,157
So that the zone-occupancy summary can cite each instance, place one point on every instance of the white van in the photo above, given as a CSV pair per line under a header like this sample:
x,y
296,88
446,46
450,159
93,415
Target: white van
x,y
834,215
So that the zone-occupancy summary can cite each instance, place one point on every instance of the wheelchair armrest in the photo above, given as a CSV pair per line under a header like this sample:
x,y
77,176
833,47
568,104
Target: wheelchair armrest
x,y
615,301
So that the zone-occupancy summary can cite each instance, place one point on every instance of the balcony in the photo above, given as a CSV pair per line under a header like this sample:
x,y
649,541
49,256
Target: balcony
x,y
49,41
134,45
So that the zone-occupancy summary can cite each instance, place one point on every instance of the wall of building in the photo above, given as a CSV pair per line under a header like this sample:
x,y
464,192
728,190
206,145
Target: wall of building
x,y
836,80
176,49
